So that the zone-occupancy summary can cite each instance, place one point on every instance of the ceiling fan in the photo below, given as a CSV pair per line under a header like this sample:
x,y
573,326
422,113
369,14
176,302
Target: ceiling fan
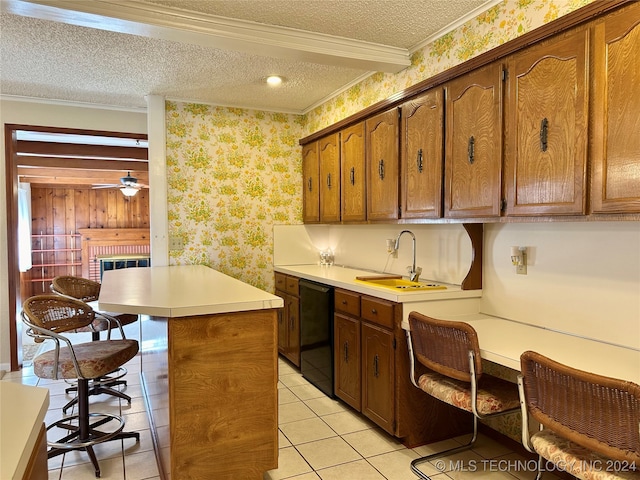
x,y
128,185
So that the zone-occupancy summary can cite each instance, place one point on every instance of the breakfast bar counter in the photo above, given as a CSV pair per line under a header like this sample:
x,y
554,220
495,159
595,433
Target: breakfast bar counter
x,y
209,368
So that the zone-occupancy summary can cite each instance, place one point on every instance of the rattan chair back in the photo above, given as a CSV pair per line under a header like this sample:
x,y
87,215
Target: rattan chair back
x,y
443,346
76,287
56,314
599,413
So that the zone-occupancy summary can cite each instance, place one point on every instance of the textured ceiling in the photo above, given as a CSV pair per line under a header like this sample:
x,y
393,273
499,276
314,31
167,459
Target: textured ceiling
x,y
65,51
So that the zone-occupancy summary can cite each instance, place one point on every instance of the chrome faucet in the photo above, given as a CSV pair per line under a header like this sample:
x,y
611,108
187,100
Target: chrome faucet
x,y
414,272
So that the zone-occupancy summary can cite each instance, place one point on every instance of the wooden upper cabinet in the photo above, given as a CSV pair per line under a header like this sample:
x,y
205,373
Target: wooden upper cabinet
x,y
329,154
354,206
615,185
422,154
311,187
382,162
546,127
473,158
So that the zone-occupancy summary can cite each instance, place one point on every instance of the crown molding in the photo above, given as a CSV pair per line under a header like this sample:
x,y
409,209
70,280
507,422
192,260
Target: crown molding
x,y
456,24
133,17
70,103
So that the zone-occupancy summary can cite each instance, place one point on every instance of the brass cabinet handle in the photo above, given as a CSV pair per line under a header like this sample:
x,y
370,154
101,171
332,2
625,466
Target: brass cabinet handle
x,y
329,181
381,169
544,128
419,161
374,311
471,149
352,176
310,188
376,373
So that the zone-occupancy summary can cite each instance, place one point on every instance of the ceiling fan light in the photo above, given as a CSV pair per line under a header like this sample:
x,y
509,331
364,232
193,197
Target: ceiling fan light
x,y
128,191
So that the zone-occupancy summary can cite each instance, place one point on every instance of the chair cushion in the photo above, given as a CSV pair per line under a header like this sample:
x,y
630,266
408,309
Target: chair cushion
x,y
94,358
495,395
579,461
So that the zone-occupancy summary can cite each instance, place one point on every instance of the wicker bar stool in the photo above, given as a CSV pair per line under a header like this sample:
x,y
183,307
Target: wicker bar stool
x,y
449,368
46,318
589,424
88,291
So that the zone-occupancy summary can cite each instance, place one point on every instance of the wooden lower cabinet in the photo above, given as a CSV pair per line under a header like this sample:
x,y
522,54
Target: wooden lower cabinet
x,y
347,359
371,362
37,466
288,318
378,375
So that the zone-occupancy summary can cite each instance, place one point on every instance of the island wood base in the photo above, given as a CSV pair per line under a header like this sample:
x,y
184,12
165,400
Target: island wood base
x,y
210,383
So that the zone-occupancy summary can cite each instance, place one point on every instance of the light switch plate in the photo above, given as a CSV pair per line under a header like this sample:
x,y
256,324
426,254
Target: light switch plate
x,y
176,243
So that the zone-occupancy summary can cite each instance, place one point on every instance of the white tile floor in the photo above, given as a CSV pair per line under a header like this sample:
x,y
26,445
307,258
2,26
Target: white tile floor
x,y
320,438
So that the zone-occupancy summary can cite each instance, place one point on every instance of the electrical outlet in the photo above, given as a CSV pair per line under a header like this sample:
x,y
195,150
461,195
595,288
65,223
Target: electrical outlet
x,y
175,243
521,269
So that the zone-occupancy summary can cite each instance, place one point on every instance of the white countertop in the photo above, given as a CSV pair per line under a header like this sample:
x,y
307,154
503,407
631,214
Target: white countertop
x,y
179,291
345,277
22,412
502,341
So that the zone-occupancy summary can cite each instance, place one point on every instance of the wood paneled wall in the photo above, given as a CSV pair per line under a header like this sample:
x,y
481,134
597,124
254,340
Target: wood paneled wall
x,y
58,213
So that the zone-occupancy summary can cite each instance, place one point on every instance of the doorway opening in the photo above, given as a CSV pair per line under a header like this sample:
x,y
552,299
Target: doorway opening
x,y
76,179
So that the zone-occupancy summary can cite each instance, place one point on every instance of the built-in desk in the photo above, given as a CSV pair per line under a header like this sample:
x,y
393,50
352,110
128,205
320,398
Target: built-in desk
x,y
503,341
209,368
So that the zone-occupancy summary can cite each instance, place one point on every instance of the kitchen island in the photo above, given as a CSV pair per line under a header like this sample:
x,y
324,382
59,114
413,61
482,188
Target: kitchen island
x,y
209,368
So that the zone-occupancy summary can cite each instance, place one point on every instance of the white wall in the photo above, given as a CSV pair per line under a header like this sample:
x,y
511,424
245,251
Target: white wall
x,y
583,277
64,116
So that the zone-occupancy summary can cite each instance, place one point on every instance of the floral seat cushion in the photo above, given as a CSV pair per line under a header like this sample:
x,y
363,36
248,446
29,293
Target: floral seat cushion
x,y
94,358
579,461
494,394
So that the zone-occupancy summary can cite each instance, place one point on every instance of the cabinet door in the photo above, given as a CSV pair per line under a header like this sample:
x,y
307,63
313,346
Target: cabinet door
x,y
293,350
615,157
546,127
378,375
347,359
473,160
329,154
354,207
311,187
382,165
422,155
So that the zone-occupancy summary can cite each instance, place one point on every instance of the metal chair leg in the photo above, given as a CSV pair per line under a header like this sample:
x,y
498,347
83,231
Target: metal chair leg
x,y
85,434
451,451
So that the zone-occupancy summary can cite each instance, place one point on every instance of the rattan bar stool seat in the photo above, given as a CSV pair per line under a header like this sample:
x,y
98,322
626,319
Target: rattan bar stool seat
x,y
93,358
47,317
88,291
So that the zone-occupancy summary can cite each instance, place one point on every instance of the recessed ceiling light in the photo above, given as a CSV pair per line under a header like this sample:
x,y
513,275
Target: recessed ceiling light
x,y
274,80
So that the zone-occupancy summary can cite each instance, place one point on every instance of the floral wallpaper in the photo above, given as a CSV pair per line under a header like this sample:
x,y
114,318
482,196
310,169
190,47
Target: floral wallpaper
x,y
501,23
234,173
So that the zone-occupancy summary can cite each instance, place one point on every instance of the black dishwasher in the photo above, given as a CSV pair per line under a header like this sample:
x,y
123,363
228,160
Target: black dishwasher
x,y
316,334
